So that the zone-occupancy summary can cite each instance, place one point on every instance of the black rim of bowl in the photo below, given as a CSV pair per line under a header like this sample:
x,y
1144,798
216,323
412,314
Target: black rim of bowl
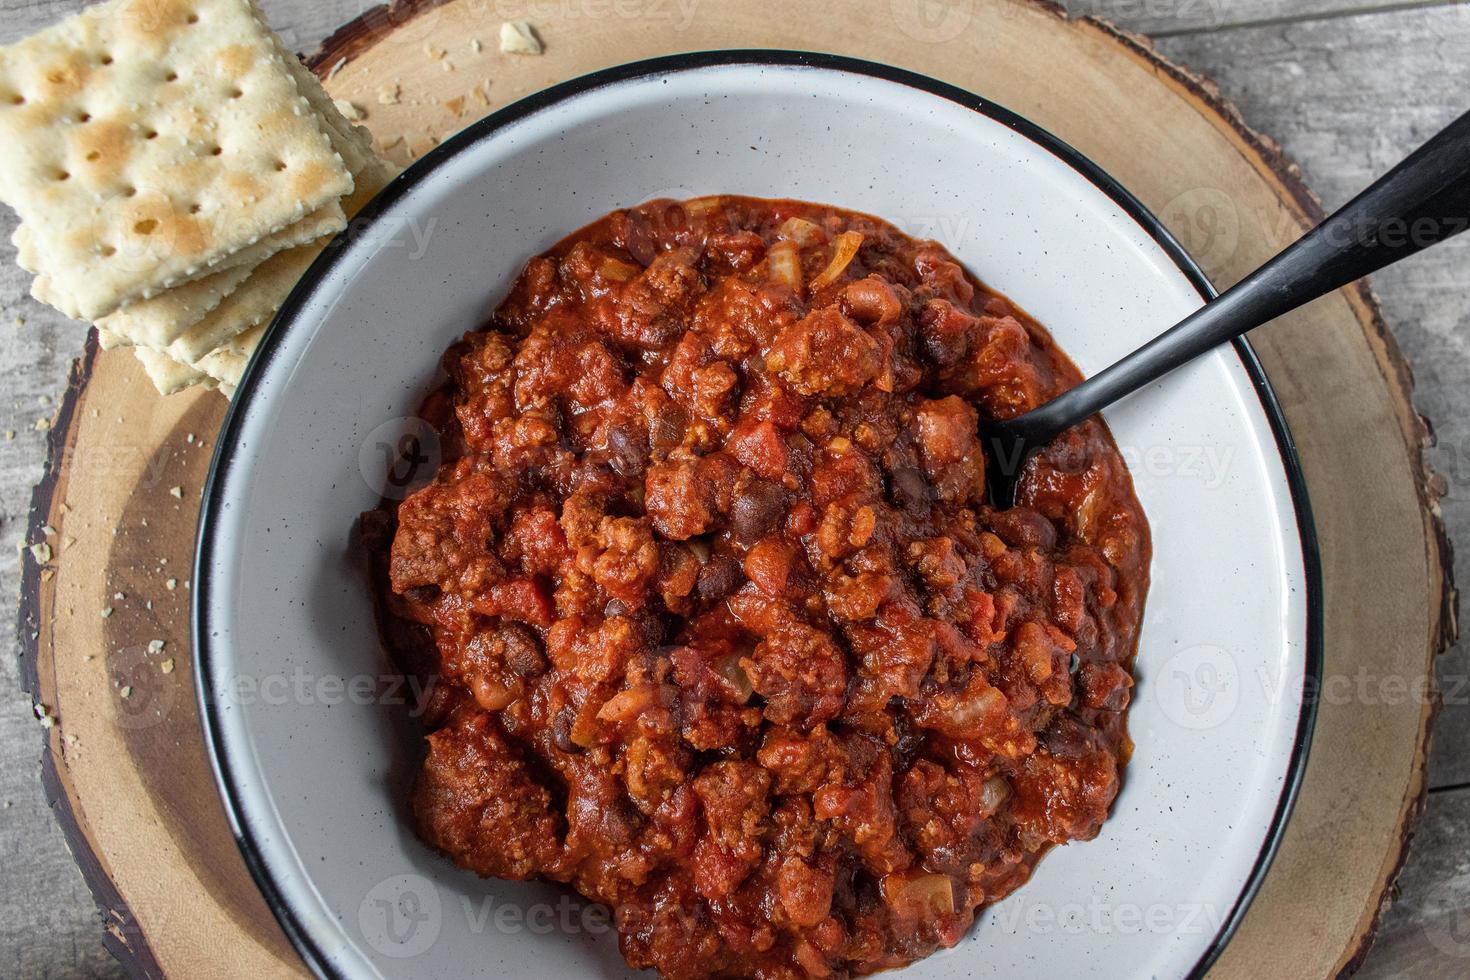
x,y
286,320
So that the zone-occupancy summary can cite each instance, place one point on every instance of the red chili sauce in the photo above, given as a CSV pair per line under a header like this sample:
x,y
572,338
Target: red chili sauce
x,y
726,634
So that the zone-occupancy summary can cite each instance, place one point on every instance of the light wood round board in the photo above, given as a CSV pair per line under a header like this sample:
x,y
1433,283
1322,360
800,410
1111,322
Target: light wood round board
x,y
128,775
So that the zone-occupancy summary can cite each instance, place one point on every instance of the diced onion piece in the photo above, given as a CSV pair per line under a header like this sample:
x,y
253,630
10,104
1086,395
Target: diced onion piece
x,y
696,206
921,896
810,959
784,260
616,270
843,253
994,794
800,231
627,704
729,668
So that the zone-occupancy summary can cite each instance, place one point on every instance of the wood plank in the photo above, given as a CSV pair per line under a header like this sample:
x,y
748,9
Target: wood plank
x,y
303,23
1167,18
1347,99
48,921
1426,932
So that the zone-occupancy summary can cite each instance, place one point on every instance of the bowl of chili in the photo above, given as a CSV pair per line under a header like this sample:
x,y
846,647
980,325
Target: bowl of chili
x,y
317,736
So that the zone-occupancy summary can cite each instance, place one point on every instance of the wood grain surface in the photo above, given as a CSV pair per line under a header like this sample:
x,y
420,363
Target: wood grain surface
x,y
1347,88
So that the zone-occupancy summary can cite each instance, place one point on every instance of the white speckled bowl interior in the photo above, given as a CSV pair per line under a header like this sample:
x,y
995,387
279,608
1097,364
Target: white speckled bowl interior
x,y
313,757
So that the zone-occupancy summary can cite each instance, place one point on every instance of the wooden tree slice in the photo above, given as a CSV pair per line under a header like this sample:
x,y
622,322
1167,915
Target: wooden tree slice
x,y
128,775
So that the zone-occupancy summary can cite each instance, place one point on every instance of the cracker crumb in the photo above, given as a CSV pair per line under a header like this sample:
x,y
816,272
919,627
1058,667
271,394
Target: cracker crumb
x,y
48,530
475,46
71,740
119,596
448,65
43,424
519,37
47,575
455,105
155,646
171,584
106,611
20,321
433,51
167,666
176,492
351,110
9,435
41,551
189,438
67,542
126,692
388,94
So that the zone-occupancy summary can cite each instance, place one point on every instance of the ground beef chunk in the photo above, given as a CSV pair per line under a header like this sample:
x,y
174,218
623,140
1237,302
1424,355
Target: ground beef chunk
x,y
477,801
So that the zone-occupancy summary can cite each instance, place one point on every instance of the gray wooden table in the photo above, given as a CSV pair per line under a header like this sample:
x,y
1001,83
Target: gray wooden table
x,y
1347,87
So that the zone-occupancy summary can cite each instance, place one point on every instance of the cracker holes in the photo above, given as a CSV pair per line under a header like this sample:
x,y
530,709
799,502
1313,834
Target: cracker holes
x,y
106,59
235,93
83,117
195,208
94,156
146,227
16,99
62,175
130,191
108,251
216,150
152,134
192,18
172,76
280,166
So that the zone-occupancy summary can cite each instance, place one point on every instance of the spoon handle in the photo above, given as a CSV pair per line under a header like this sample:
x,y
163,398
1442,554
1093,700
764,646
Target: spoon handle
x,y
1421,202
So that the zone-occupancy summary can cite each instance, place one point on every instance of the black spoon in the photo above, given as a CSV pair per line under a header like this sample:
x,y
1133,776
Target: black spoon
x,y
1421,202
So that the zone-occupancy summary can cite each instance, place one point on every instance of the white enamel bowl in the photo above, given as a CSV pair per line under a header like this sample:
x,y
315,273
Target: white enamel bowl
x,y
314,760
